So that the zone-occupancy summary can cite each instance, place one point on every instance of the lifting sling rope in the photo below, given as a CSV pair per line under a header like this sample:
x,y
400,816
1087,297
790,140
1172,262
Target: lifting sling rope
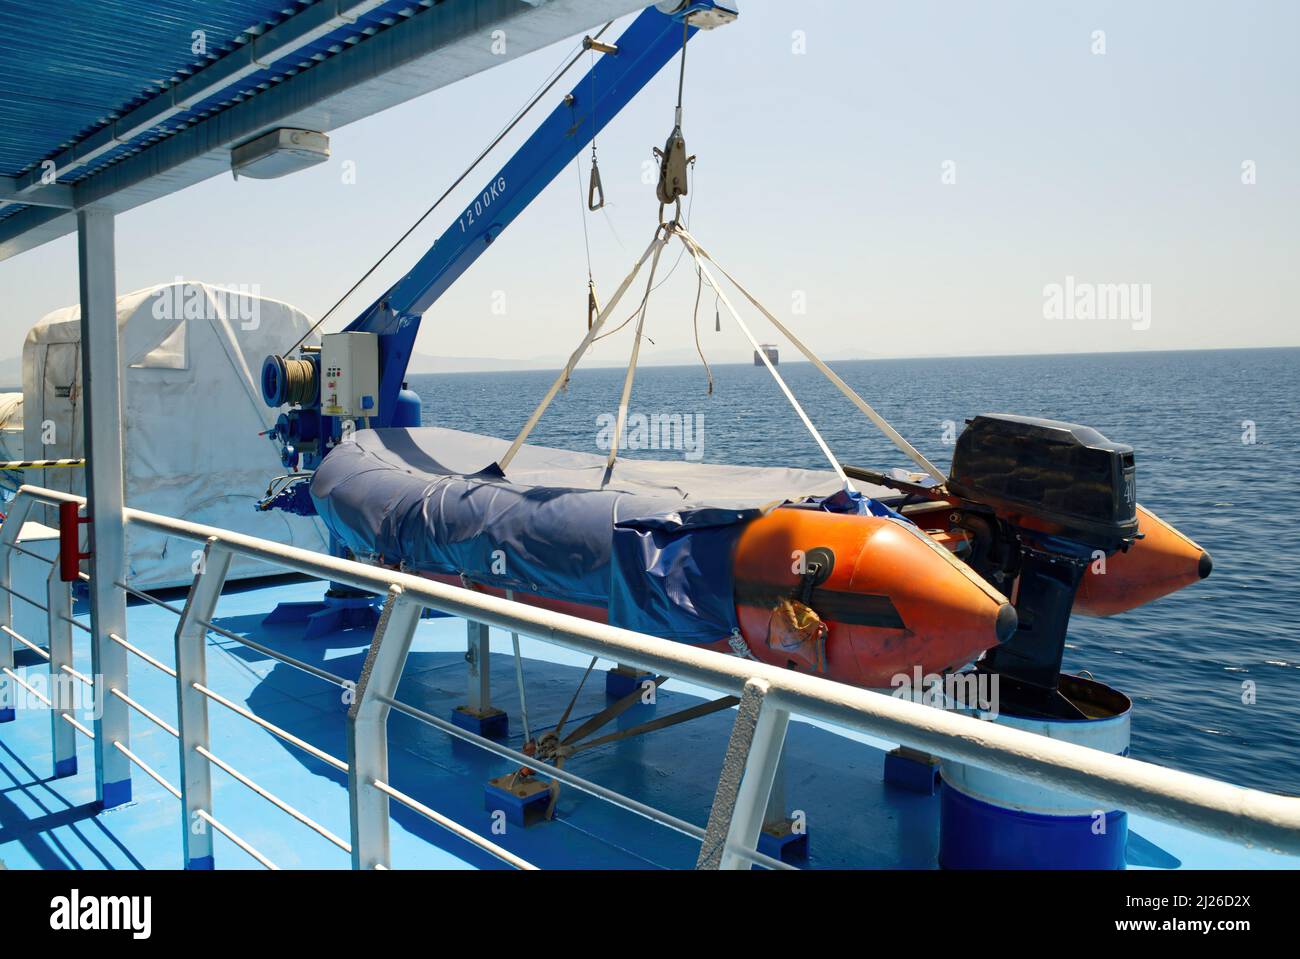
x,y
894,436
626,396
662,235
654,249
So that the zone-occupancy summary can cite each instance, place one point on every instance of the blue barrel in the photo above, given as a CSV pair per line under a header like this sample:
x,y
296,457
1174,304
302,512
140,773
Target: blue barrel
x,y
991,821
408,409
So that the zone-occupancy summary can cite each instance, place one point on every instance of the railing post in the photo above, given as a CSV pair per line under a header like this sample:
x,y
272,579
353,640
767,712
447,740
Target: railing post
x,y
19,510
775,811
368,729
192,706
748,769
63,738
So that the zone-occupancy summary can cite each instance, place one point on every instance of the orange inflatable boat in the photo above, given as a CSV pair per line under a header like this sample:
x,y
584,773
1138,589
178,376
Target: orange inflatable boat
x,y
1161,561
1038,520
860,599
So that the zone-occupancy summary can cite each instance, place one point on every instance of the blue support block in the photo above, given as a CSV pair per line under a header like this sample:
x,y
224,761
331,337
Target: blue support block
x,y
65,767
490,724
7,715
620,681
524,805
203,863
116,794
911,770
781,842
333,614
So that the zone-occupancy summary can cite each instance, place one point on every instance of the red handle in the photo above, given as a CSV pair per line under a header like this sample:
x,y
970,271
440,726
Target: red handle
x,y
69,542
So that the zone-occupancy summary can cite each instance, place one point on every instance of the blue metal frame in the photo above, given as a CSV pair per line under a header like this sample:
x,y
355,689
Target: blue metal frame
x,y
650,42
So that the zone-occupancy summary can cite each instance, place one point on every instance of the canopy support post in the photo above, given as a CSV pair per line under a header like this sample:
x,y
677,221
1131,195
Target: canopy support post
x,y
101,410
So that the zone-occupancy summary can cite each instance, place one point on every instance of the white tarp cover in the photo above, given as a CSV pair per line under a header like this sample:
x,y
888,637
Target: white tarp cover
x,y
192,411
11,426
11,438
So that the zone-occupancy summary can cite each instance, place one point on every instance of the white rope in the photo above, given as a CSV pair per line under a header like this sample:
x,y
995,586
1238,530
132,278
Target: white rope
x,y
656,245
699,254
626,396
894,436
696,252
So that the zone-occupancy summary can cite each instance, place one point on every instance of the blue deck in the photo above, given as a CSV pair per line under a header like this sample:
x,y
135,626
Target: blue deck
x,y
854,820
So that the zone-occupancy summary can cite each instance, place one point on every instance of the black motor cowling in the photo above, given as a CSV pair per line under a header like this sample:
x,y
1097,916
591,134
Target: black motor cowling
x,y
1060,478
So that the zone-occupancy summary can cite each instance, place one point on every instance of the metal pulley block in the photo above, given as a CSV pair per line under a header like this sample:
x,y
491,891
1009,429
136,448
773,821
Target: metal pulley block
x,y
673,161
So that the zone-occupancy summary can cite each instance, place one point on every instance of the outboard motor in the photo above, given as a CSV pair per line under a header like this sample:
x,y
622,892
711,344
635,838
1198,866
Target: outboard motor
x,y
1050,515
1042,500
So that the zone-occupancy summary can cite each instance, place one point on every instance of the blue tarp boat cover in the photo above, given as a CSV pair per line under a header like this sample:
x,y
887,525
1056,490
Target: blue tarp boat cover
x,y
654,546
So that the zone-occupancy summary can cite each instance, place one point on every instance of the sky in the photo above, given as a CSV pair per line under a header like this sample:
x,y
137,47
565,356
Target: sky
x,y
891,179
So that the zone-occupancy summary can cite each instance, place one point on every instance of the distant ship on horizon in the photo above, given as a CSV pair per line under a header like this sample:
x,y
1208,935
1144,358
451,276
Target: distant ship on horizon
x,y
773,356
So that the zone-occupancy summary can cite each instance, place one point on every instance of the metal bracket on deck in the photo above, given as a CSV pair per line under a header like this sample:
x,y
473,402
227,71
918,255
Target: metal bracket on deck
x,y
479,715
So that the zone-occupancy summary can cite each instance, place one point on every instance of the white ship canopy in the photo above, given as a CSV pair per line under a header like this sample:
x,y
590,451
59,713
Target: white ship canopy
x,y
192,411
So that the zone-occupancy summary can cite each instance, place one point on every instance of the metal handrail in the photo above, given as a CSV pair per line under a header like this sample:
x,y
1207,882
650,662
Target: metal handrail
x,y
237,840
272,798
584,785
31,690
452,826
272,728
1241,815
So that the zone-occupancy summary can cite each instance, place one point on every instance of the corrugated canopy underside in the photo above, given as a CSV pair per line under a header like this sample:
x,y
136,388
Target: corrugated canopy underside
x,y
81,83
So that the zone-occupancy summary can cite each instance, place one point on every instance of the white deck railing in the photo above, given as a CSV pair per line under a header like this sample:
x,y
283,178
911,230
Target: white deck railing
x,y
768,697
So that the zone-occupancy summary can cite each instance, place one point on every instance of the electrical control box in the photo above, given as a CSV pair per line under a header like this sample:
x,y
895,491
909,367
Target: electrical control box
x,y
349,371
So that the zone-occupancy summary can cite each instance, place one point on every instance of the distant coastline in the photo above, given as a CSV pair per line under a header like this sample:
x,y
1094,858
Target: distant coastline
x,y
423,364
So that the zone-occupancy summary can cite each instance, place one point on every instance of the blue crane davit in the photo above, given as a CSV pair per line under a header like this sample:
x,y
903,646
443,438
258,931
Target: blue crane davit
x,y
355,378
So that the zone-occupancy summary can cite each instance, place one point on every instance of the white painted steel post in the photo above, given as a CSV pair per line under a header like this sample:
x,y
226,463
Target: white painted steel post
x,y
776,802
368,729
192,705
101,410
748,769
19,510
477,655
63,738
